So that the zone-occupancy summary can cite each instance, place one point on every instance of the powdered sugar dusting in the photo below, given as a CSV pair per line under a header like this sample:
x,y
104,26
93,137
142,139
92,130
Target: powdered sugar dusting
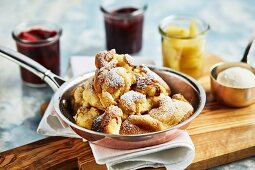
x,y
165,110
115,110
131,97
166,104
111,64
143,82
129,60
104,58
113,79
152,75
100,58
182,107
119,70
102,72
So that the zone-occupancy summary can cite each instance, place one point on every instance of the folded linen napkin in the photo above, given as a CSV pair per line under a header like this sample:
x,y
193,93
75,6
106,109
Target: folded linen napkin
x,y
175,154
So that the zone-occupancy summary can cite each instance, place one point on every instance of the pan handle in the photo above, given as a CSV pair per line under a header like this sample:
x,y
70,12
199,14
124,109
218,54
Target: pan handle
x,y
248,51
50,78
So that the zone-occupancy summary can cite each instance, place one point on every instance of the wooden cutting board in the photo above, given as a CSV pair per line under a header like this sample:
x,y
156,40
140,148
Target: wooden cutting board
x,y
220,135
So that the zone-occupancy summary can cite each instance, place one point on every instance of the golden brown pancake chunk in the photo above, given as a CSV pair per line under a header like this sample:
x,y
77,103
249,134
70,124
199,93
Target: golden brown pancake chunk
x,y
111,84
127,128
146,122
171,112
111,121
133,102
85,116
149,83
89,96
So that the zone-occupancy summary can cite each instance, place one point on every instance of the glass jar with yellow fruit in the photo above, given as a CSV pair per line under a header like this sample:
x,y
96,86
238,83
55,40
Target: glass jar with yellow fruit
x,y
183,41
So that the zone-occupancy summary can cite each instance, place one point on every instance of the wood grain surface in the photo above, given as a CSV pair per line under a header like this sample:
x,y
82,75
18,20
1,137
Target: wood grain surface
x,y
220,134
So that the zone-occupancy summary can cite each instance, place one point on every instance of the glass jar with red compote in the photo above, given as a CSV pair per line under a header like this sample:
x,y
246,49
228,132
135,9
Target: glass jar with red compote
x,y
124,25
40,41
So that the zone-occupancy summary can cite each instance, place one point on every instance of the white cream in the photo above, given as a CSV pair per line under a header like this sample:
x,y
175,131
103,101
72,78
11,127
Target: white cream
x,y
237,77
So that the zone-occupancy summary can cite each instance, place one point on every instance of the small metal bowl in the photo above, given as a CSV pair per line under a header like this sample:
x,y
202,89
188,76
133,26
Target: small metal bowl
x,y
231,96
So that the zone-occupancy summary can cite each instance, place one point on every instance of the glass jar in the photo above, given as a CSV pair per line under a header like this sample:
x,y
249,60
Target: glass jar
x,y
183,41
38,40
124,25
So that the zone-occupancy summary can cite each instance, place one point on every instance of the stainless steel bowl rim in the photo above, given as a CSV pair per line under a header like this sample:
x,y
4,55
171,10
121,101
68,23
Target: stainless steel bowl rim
x,y
71,82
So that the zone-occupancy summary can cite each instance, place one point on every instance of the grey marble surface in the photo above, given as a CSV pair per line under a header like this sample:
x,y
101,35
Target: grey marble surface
x,y
232,26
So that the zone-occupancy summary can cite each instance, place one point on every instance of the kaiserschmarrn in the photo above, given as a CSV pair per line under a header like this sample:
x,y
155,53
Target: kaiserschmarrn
x,y
125,99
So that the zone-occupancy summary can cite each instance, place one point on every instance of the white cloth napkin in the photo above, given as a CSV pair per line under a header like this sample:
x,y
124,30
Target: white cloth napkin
x,y
175,154
52,125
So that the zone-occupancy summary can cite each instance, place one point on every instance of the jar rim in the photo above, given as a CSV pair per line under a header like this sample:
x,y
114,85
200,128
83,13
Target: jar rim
x,y
206,26
139,11
27,25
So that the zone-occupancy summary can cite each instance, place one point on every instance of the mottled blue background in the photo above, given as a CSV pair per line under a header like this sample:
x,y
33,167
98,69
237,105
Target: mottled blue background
x,y
232,26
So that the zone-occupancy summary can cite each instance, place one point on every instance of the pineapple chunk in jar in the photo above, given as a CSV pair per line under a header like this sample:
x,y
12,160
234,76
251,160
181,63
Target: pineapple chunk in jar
x,y
183,44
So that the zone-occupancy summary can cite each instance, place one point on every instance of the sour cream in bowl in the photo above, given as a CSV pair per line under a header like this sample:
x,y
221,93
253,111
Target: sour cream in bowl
x,y
233,83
